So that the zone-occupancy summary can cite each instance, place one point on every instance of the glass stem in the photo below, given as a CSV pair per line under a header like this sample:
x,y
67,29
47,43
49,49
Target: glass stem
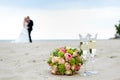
x,y
92,63
85,67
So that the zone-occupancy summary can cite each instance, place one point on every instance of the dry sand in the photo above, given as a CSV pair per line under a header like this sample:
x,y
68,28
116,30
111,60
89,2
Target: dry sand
x,y
29,61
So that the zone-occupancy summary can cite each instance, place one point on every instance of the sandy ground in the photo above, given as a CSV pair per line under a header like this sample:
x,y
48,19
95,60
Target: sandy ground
x,y
29,61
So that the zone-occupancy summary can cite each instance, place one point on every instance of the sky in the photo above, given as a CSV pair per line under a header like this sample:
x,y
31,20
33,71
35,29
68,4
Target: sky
x,y
59,19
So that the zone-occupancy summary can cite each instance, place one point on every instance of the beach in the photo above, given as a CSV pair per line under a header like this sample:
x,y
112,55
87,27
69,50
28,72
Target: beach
x,y
28,61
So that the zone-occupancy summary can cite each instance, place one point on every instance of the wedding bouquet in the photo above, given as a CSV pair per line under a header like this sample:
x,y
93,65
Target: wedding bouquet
x,y
65,61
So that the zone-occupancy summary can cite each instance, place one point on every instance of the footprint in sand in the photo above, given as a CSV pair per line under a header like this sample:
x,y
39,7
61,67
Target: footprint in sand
x,y
113,57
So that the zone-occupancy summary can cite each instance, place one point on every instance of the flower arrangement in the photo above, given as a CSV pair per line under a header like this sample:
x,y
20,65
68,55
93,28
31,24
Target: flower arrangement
x,y
65,61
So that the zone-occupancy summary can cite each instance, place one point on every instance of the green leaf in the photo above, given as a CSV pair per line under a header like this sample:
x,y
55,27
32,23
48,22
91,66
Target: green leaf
x,y
80,53
60,54
61,68
72,61
55,52
70,51
49,60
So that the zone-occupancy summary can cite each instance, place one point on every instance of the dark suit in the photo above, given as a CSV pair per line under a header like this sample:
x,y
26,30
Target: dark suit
x,y
30,28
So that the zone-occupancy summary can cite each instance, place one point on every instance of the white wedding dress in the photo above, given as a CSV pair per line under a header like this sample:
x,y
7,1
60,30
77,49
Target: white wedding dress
x,y
23,37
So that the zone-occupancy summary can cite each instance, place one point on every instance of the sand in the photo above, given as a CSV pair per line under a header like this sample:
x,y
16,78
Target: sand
x,y
29,61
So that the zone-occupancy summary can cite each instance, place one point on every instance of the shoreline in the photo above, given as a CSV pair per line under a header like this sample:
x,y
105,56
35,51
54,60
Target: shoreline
x,y
37,40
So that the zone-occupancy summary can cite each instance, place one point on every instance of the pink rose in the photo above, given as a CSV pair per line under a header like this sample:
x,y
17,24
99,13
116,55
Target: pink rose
x,y
67,66
54,59
75,54
54,68
75,68
62,49
68,56
53,71
61,61
68,72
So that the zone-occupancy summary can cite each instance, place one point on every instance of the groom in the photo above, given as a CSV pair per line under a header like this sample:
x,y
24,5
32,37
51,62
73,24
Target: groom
x,y
30,25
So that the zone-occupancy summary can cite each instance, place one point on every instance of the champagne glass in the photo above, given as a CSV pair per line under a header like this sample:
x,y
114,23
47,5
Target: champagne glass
x,y
92,51
84,48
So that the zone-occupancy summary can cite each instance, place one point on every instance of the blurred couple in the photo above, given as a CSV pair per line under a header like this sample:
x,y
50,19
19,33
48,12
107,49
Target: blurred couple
x,y
25,35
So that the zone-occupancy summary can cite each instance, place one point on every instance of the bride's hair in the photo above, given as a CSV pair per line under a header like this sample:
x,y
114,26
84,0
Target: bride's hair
x,y
25,20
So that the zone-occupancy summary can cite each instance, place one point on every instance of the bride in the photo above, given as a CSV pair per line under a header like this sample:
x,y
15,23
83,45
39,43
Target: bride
x,y
23,37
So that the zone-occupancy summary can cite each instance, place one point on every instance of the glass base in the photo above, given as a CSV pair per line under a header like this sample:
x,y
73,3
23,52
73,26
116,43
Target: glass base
x,y
88,73
85,74
93,72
